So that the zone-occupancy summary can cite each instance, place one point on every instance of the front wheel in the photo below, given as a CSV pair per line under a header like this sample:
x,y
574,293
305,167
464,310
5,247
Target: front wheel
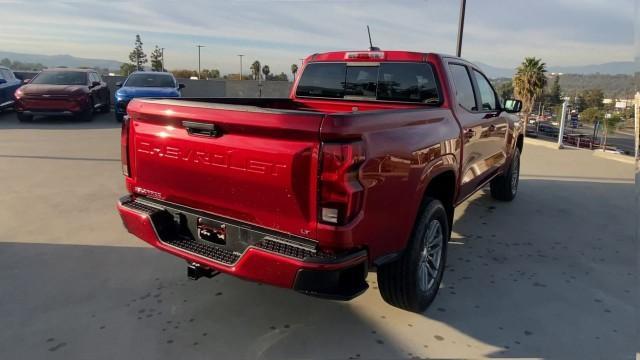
x,y
22,117
87,114
505,187
412,281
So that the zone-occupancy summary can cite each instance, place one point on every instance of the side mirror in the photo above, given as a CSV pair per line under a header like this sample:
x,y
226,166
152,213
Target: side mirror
x,y
95,83
512,106
3,81
119,84
26,81
181,86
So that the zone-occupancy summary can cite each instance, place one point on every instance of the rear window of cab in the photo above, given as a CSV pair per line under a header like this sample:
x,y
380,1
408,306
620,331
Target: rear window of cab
x,y
389,81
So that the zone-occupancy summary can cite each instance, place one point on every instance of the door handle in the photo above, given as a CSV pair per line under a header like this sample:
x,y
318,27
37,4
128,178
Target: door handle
x,y
201,129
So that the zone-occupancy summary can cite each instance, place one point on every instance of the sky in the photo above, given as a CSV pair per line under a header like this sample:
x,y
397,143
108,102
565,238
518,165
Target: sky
x,y
279,33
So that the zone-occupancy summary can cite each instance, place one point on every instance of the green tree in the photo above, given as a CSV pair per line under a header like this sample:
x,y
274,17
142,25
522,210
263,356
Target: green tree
x,y
156,59
593,98
280,77
294,70
137,55
505,90
554,96
266,71
590,115
126,69
255,70
529,82
215,74
184,73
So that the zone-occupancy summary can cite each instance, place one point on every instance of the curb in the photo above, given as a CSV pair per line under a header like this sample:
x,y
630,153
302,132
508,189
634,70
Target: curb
x,y
536,142
616,157
596,153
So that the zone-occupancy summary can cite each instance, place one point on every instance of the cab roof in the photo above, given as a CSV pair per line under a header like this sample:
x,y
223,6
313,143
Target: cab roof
x,y
70,70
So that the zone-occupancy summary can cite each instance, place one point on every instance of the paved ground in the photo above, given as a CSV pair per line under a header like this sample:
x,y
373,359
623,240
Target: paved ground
x,y
551,275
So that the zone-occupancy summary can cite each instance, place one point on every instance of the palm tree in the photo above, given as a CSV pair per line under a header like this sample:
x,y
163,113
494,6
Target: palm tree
x,y
266,71
255,69
529,82
294,70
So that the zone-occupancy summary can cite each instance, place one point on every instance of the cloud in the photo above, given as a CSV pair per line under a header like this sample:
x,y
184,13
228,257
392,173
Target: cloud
x,y
500,33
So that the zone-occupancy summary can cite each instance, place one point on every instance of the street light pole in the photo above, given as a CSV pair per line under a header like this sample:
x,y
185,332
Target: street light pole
x,y
636,116
562,119
240,66
199,46
463,5
162,58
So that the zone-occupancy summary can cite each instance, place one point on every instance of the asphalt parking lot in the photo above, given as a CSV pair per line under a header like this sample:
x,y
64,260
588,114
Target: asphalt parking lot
x,y
552,274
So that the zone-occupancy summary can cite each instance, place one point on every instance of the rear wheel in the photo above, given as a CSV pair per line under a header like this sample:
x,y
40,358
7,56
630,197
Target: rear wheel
x,y
505,186
22,117
412,281
106,108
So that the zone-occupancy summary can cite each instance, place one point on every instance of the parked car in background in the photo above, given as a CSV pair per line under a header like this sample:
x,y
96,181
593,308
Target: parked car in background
x,y
144,84
68,92
361,167
8,85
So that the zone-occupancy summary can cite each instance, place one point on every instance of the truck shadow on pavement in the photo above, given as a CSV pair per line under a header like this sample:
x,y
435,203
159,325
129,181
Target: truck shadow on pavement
x,y
9,120
548,275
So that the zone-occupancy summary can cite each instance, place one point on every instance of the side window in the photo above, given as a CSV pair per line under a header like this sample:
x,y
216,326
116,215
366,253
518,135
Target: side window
x,y
8,75
487,95
2,74
98,77
464,89
92,78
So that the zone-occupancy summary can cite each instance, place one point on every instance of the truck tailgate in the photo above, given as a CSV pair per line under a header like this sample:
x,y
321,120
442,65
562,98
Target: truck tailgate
x,y
247,163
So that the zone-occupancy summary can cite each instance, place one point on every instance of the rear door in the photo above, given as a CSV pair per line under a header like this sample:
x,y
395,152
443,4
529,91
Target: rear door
x,y
481,155
243,162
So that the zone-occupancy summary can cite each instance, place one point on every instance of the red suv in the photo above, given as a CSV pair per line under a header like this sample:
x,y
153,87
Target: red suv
x,y
70,92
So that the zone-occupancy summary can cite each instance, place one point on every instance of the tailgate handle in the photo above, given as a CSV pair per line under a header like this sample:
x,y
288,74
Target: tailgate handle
x,y
201,129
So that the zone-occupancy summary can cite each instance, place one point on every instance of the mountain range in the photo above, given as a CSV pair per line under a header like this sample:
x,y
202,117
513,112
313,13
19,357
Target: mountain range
x,y
61,60
613,68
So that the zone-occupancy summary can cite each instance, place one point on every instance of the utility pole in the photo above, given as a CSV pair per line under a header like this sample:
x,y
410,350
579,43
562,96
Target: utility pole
x,y
199,46
562,119
162,58
463,5
240,66
636,108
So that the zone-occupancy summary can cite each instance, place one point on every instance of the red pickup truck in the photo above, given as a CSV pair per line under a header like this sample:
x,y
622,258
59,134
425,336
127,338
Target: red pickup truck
x,y
361,168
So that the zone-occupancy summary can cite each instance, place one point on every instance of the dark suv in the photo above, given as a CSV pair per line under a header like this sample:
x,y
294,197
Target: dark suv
x,y
70,92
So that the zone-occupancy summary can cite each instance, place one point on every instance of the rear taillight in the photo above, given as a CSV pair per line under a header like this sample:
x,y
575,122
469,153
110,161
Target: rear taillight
x,y
341,193
124,145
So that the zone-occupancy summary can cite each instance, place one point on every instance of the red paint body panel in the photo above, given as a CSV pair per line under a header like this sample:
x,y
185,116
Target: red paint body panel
x,y
255,264
264,168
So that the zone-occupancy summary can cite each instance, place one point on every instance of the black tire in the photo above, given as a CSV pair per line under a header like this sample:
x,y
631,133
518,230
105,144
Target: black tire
x,y
87,114
401,282
106,108
505,187
24,117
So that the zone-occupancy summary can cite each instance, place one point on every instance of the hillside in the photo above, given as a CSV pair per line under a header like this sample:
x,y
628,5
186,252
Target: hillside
x,y
61,60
